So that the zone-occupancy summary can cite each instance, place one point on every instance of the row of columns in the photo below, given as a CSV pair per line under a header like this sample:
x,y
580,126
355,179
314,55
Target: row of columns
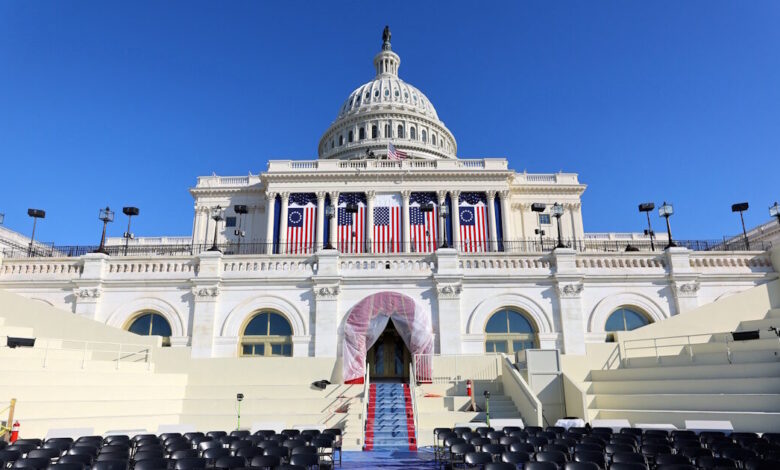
x,y
405,226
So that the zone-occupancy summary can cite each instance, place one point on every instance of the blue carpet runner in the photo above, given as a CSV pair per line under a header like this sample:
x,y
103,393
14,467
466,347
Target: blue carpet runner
x,y
390,420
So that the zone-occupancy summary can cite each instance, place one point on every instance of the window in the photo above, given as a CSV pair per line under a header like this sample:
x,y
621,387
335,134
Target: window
x,y
376,94
424,136
267,334
509,331
151,324
625,319
396,93
544,219
332,143
387,92
351,137
374,132
413,133
341,140
400,131
433,139
387,131
230,221
361,133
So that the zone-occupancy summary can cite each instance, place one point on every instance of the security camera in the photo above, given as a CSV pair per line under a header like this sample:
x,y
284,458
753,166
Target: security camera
x,y
240,396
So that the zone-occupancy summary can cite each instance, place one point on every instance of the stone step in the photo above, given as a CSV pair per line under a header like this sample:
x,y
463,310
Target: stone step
x,y
742,421
691,371
708,385
691,402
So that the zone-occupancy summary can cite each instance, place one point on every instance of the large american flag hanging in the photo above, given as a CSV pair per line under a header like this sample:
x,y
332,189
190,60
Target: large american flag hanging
x,y
423,226
351,234
473,222
387,223
301,223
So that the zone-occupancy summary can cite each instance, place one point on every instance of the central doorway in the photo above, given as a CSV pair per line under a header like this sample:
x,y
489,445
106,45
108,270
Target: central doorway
x,y
389,358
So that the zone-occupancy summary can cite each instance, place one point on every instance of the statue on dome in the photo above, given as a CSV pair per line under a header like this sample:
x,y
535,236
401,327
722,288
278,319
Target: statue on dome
x,y
386,34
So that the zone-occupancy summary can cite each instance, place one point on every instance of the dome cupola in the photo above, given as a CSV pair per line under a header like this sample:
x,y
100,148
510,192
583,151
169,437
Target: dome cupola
x,y
383,111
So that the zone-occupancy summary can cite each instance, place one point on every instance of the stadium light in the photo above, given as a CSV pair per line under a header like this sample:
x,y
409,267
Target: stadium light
x,y
35,214
330,213
742,207
666,211
648,207
217,214
239,209
774,211
129,212
444,211
557,212
106,215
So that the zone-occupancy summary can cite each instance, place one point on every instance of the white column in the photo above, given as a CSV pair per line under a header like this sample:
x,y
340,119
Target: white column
x,y
270,202
568,287
405,194
491,202
283,222
684,279
326,305
506,223
442,197
370,195
205,294
89,287
320,219
455,198
334,222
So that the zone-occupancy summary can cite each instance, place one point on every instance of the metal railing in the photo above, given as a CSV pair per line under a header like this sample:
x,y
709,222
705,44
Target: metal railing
x,y
413,397
436,369
67,349
347,249
366,394
673,346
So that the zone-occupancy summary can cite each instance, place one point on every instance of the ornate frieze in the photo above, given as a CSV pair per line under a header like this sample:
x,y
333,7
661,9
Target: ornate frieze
x,y
449,291
326,292
85,293
569,291
686,289
205,293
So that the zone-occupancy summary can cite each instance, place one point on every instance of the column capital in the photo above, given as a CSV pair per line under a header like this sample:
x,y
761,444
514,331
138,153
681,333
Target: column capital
x,y
442,195
370,195
321,195
285,195
270,195
406,194
455,195
334,197
491,194
504,193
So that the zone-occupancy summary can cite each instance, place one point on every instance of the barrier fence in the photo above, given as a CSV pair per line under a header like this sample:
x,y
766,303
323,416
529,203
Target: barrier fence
x,y
433,369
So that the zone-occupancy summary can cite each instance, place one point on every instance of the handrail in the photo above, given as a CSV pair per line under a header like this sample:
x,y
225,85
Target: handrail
x,y
366,393
117,352
508,370
413,396
685,341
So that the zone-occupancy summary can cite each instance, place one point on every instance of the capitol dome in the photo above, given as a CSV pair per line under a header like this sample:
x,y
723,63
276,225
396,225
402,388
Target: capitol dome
x,y
387,110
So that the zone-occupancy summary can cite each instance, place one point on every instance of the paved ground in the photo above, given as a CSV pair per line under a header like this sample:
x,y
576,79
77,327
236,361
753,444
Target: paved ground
x,y
398,459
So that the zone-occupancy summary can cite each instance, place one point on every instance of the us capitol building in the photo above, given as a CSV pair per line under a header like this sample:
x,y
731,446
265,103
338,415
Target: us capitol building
x,y
311,258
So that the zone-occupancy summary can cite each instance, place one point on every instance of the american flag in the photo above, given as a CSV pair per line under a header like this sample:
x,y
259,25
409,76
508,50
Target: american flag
x,y
387,223
423,225
301,220
394,154
350,226
473,222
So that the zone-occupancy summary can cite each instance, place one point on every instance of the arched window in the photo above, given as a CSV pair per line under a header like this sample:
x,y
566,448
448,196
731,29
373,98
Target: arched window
x,y
433,139
424,136
374,132
509,331
151,324
387,131
400,131
351,136
625,319
267,334
362,133
413,133
341,140
332,143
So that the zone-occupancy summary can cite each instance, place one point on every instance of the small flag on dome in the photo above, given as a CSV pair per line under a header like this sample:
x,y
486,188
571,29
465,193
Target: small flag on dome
x,y
394,154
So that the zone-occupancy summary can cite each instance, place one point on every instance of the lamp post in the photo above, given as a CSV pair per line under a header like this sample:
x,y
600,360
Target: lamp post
x,y
330,213
444,211
539,207
648,207
217,214
352,209
426,209
666,211
35,214
106,215
742,207
557,211
239,209
129,212
774,211
239,399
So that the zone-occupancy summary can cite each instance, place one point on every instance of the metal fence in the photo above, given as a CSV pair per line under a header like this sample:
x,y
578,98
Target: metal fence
x,y
263,248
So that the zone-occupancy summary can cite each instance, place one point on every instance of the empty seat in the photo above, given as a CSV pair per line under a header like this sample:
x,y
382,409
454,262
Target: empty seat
x,y
581,466
151,464
110,465
626,457
147,454
247,453
538,466
33,442
707,462
590,456
281,452
32,463
209,444
290,432
458,452
189,463
185,454
493,449
65,466
500,466
671,459
23,448
735,453
84,460
762,465
229,462
628,466
522,447
305,460
477,458
170,435
676,466
515,457
43,453
215,453
84,450
552,456
265,461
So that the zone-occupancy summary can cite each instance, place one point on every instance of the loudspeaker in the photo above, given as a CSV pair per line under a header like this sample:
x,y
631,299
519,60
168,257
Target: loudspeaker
x,y
20,342
744,335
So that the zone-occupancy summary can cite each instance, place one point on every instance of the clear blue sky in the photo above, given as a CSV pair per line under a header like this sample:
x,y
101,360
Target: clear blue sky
x,y
126,103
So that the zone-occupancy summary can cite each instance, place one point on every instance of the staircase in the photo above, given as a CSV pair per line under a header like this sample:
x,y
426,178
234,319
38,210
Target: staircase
x,y
390,420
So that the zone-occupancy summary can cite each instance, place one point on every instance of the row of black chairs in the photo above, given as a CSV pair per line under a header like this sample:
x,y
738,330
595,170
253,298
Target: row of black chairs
x,y
264,449
631,448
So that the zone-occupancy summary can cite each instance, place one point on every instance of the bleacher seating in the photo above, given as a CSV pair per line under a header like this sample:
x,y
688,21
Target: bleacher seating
x,y
218,450
555,448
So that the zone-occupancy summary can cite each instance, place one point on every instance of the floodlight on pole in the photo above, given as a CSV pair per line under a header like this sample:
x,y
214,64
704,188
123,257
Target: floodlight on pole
x,y
648,207
742,207
35,214
666,211
129,212
217,214
239,209
106,215
557,212
539,207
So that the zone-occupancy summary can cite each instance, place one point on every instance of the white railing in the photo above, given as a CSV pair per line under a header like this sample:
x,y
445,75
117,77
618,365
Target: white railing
x,y
673,346
84,351
366,393
431,368
413,396
521,394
